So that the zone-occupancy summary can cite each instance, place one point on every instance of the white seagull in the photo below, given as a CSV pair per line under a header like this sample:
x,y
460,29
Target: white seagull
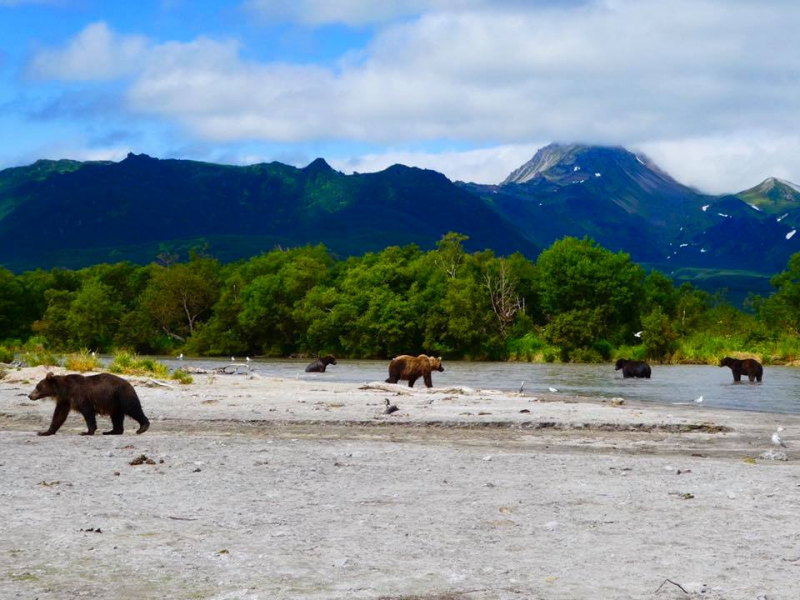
x,y
699,400
233,359
180,356
247,358
552,389
638,334
776,439
521,387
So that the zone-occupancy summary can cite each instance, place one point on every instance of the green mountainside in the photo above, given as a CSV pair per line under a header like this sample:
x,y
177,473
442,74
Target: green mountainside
x,y
142,206
73,214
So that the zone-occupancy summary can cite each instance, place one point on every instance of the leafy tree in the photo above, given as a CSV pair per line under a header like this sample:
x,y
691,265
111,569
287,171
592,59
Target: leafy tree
x,y
182,295
94,316
11,302
578,275
783,309
658,335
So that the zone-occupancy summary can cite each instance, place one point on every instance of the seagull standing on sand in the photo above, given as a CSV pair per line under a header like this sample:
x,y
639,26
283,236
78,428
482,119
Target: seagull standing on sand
x,y
233,359
521,387
699,400
247,358
180,356
776,439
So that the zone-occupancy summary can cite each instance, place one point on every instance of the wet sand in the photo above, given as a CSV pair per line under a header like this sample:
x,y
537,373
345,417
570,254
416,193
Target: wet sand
x,y
293,489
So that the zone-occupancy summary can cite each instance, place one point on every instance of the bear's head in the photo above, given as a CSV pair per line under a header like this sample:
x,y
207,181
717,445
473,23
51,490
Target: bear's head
x,y
727,362
329,360
47,387
621,363
436,363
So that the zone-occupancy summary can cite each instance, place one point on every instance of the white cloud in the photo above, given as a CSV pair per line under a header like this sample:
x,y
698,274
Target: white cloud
x,y
664,76
728,163
485,165
96,53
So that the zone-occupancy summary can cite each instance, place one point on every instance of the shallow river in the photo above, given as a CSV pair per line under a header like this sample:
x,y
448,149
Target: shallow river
x,y
672,384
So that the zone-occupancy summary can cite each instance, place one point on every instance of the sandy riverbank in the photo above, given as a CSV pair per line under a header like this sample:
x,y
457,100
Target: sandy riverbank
x,y
292,489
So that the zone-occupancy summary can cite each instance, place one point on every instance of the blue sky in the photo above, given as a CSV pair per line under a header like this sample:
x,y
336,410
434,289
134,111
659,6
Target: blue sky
x,y
707,88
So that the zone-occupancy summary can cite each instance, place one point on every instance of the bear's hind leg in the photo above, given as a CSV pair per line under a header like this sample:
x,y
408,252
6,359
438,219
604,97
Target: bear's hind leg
x,y
137,414
91,421
117,419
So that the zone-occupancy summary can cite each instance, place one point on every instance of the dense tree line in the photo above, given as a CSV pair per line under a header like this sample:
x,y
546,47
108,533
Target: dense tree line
x,y
577,301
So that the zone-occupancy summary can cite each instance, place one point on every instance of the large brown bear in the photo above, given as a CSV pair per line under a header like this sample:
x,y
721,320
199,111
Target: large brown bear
x,y
103,394
319,365
633,368
414,367
750,367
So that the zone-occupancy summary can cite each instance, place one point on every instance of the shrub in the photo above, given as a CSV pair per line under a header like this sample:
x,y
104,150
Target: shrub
x,y
82,362
128,363
182,377
6,355
36,354
585,355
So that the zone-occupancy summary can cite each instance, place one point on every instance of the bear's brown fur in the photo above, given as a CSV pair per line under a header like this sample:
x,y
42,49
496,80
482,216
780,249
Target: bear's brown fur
x,y
414,367
749,366
319,365
103,394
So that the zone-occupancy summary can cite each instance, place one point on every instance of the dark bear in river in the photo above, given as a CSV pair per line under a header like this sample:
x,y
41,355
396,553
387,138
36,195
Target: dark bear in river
x,y
319,365
103,394
414,367
633,368
750,367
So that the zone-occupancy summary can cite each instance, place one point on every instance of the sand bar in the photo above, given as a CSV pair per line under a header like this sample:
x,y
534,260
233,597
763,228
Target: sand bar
x,y
294,489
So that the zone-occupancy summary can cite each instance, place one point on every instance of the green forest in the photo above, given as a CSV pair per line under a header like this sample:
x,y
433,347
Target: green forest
x,y
577,302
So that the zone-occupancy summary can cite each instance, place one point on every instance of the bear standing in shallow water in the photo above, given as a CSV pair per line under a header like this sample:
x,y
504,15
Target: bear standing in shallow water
x,y
750,367
319,365
414,367
103,394
633,368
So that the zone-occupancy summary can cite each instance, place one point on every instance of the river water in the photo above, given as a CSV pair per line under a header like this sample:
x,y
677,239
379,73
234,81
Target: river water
x,y
670,384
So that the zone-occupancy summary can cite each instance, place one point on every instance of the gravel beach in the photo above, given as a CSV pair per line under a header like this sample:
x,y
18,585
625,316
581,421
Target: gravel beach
x,y
279,488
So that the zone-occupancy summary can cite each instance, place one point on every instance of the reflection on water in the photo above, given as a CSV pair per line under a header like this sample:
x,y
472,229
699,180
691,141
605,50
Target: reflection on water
x,y
670,383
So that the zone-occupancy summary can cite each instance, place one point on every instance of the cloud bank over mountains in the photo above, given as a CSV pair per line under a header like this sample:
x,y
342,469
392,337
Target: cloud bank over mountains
x,y
709,88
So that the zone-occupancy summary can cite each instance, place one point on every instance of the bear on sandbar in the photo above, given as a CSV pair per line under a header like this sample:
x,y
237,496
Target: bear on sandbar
x,y
412,368
103,394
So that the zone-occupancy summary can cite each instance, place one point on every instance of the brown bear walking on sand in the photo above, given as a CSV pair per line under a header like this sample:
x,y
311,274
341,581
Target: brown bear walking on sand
x,y
103,394
412,368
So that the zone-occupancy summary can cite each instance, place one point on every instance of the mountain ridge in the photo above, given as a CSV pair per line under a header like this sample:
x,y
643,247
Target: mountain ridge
x,y
70,213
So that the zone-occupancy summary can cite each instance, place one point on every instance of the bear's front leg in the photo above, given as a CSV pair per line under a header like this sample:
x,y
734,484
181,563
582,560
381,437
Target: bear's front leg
x,y
59,416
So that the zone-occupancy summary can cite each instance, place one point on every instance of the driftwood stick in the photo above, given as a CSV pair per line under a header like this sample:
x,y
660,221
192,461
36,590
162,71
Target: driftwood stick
x,y
678,585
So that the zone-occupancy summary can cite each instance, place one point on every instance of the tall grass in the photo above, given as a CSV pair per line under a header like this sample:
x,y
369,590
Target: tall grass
x,y
82,362
129,363
35,353
531,348
6,355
